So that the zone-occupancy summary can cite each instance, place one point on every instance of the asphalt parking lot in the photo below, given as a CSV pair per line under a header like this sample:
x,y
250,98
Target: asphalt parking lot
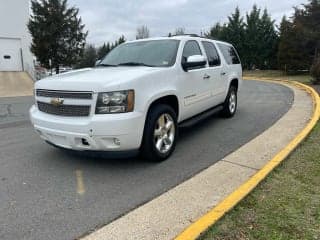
x,y
46,193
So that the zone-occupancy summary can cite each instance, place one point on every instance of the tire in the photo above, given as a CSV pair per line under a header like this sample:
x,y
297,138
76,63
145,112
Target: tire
x,y
159,139
231,103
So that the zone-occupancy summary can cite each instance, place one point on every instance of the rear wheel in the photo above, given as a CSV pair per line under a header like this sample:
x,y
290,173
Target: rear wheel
x,y
231,103
160,133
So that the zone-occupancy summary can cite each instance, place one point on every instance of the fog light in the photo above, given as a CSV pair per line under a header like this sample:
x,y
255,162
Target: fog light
x,y
116,141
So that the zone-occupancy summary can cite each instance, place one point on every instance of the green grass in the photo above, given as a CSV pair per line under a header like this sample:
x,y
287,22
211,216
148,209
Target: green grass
x,y
286,205
304,78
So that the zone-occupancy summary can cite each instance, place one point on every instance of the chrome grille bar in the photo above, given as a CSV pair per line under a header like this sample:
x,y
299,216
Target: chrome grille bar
x,y
64,110
63,94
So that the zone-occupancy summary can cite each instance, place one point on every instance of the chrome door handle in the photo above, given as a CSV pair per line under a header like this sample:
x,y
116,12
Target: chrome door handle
x,y
223,73
206,76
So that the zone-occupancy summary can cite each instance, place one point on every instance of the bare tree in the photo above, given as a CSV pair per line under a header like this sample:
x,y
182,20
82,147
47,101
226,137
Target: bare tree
x,y
143,32
180,31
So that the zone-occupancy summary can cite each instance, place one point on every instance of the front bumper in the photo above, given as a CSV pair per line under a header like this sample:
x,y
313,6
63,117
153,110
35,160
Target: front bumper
x,y
110,132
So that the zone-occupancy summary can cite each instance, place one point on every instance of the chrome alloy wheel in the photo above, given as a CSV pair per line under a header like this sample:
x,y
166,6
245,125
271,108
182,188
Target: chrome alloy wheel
x,y
232,102
164,133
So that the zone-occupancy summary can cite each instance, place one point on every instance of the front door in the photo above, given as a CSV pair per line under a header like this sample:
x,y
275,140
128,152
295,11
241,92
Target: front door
x,y
195,83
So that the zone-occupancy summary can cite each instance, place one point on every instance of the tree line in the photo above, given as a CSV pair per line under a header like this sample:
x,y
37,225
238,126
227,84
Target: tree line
x,y
254,36
91,54
292,47
59,37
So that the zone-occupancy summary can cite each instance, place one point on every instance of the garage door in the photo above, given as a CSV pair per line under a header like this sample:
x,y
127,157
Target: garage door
x,y
10,55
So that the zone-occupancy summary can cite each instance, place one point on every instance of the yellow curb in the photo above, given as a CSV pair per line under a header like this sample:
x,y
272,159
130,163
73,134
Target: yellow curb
x,y
202,224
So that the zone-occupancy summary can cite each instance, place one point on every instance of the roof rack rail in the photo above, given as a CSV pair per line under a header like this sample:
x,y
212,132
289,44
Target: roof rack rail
x,y
186,34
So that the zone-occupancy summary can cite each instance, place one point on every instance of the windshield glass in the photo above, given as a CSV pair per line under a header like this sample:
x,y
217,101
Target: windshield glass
x,y
153,53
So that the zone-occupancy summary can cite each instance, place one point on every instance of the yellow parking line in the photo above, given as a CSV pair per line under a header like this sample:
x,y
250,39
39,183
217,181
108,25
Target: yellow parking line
x,y
202,224
80,185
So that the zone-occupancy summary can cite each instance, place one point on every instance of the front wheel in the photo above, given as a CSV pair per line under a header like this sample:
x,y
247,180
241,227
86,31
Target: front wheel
x,y
160,133
231,103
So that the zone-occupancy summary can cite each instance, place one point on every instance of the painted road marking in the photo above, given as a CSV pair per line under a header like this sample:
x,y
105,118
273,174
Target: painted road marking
x,y
80,185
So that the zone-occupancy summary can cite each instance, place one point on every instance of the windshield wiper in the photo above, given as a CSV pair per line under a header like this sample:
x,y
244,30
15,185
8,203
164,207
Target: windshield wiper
x,y
134,64
106,65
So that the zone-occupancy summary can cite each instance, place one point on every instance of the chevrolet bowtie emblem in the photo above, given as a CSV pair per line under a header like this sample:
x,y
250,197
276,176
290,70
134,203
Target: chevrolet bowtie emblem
x,y
56,102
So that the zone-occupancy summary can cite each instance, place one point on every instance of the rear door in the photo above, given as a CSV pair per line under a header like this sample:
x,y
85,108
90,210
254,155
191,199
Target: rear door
x,y
232,66
214,71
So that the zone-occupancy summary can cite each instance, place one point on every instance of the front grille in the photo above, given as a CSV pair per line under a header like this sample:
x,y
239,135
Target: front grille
x,y
64,110
63,94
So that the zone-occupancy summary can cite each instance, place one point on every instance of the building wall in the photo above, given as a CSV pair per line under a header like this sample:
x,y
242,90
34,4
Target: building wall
x,y
14,16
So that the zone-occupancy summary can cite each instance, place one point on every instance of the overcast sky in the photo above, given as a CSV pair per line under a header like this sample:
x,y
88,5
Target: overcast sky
x,y
107,20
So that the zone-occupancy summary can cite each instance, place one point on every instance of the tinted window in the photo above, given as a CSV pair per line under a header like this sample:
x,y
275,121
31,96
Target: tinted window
x,y
229,54
158,53
190,48
212,54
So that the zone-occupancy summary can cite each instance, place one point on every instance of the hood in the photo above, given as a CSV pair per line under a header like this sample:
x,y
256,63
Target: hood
x,y
95,79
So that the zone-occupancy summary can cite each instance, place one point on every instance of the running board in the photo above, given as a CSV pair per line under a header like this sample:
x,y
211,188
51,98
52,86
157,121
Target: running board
x,y
200,117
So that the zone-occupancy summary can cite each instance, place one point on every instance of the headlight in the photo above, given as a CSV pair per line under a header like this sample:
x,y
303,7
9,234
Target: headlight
x,y
115,102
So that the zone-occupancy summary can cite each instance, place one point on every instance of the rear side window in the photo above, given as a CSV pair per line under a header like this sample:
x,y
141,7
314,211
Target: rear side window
x,y
190,48
212,54
229,54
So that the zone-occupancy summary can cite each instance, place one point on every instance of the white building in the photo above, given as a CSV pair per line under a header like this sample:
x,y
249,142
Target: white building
x,y
15,39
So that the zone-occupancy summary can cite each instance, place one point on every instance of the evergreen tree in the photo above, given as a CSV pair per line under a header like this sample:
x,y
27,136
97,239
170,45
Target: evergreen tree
x,y
112,46
291,54
252,38
256,39
217,32
260,41
117,42
234,31
102,51
57,33
89,57
315,71
121,40
284,43
268,43
300,38
308,19
108,48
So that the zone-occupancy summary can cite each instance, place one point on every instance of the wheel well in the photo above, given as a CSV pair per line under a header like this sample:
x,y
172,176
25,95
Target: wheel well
x,y
170,100
235,83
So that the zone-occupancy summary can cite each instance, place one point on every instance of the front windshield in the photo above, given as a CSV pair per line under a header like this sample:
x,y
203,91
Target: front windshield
x,y
153,53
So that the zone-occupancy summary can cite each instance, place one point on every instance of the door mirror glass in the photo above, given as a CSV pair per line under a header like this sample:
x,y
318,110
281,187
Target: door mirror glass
x,y
194,62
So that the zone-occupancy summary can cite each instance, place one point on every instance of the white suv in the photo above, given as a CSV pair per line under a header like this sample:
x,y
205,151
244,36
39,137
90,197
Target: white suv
x,y
138,95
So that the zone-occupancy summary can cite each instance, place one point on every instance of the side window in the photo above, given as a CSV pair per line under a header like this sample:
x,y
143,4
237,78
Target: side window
x,y
190,48
212,54
229,54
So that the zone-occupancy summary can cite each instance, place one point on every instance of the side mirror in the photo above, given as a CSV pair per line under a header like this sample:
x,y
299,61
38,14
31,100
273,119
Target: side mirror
x,y
194,62
97,62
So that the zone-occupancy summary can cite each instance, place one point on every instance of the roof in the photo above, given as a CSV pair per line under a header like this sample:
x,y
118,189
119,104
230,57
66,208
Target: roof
x,y
180,37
